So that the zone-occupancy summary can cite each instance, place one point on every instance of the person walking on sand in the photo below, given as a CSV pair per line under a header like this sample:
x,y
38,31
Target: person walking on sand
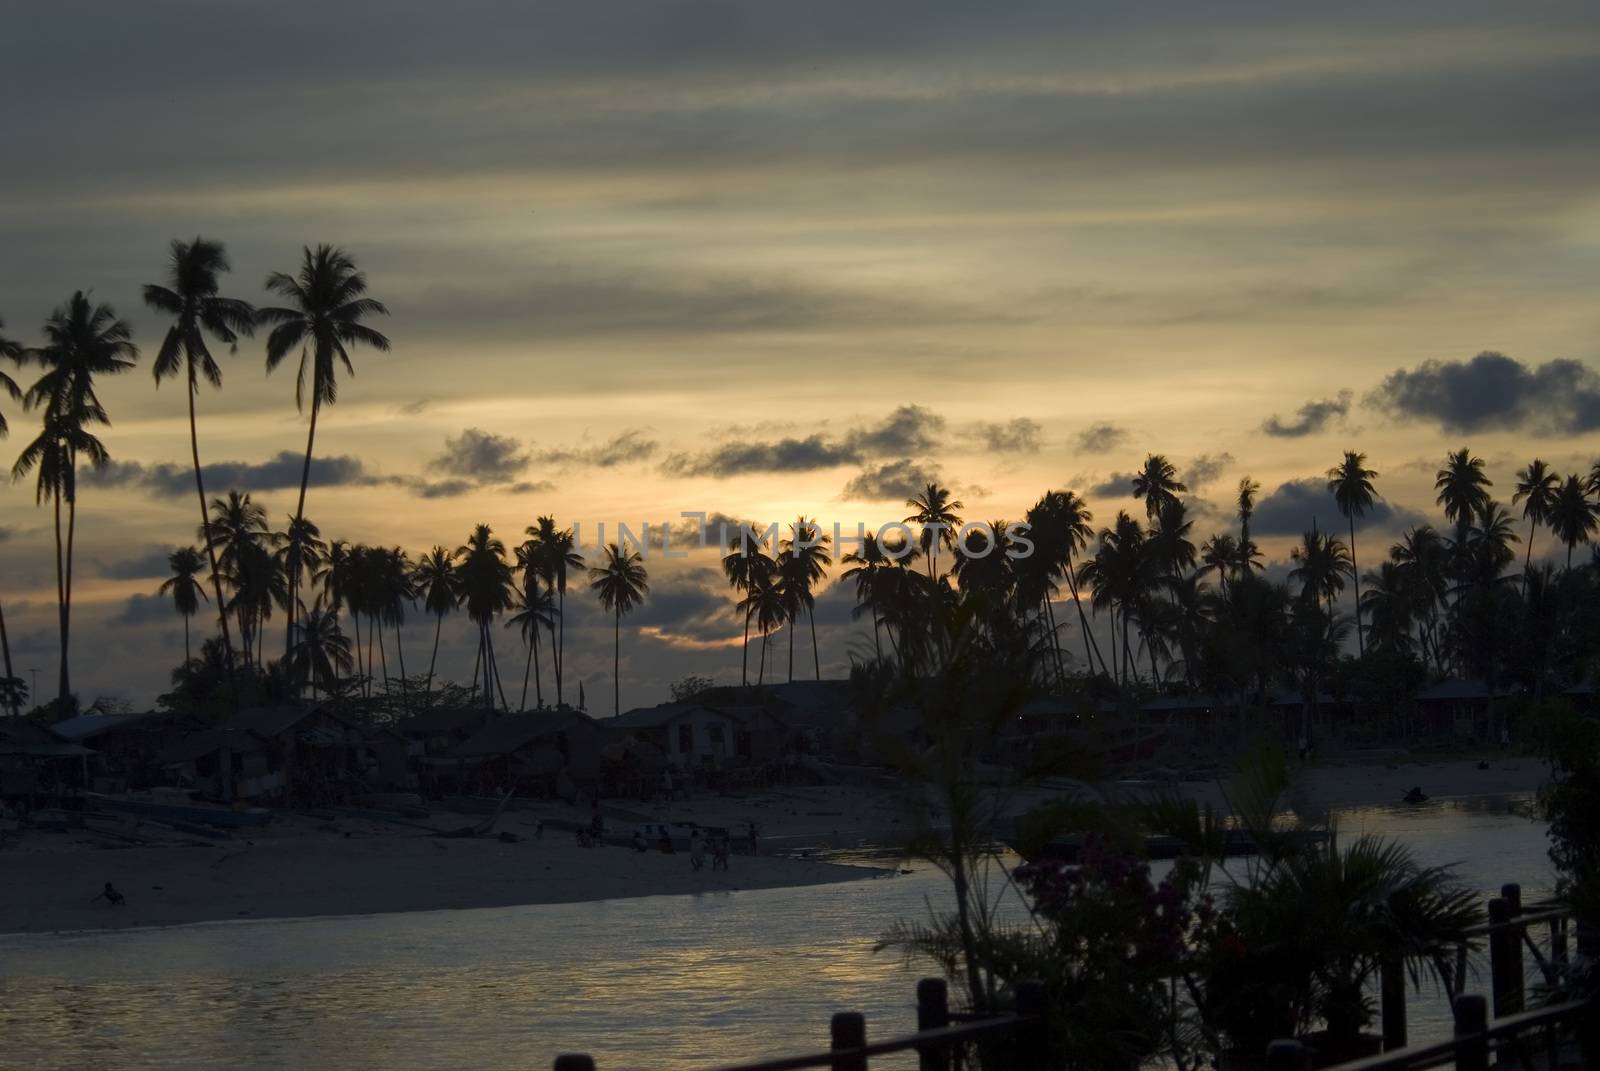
x,y
719,852
697,850
753,845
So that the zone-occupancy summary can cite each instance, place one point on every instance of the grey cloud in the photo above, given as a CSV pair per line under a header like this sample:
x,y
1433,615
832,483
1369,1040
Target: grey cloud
x,y
909,429
1117,485
1495,392
283,470
1019,435
1310,418
630,445
145,609
1206,468
482,457
895,480
6,533
1101,438
147,565
1292,507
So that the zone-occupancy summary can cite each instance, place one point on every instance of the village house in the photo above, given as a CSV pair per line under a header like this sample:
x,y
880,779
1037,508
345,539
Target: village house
x,y
292,755
128,745
696,736
37,766
529,751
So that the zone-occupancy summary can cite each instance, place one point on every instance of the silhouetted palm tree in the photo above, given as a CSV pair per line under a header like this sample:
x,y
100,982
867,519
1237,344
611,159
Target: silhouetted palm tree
x,y
1536,490
1463,489
185,590
558,557
1572,517
1390,606
535,609
867,567
436,584
936,513
1220,555
328,302
82,341
621,584
485,587
747,563
1062,521
1423,556
190,297
9,351
1157,484
1351,483
1321,562
321,653
764,600
808,549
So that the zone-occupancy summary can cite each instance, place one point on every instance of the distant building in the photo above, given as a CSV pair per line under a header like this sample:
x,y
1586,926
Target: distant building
x,y
529,750
694,735
128,745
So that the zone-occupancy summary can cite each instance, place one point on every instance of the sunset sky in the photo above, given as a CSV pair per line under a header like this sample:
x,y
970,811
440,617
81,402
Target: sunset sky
x,y
766,259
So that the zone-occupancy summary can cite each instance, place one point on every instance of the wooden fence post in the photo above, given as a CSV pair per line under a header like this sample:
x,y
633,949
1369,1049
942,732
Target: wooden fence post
x,y
1392,985
1033,1038
933,1013
1287,1055
849,1033
1472,1025
573,1061
1505,959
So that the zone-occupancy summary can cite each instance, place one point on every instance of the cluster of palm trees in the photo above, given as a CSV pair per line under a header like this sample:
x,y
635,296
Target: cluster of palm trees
x,y
326,304
777,584
1446,602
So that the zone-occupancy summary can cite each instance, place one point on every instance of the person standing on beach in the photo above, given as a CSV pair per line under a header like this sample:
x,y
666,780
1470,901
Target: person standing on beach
x,y
753,845
697,850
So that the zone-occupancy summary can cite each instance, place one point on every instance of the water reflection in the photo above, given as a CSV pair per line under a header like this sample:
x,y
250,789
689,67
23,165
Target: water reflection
x,y
661,982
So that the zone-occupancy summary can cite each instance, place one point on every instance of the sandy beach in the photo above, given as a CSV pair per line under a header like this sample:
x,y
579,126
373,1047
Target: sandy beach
x,y
302,866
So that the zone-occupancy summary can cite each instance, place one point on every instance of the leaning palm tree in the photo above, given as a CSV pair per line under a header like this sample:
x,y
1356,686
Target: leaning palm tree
x,y
190,297
327,304
185,590
436,585
621,585
936,513
534,610
82,341
485,584
1573,518
867,567
1351,483
557,557
1157,484
1536,490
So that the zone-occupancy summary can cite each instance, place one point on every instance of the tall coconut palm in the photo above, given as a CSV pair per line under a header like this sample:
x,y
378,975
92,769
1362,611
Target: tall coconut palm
x,y
1463,488
82,342
436,584
746,564
185,590
1060,524
485,583
321,653
558,557
328,301
1157,484
1536,490
9,351
621,584
936,513
867,568
312,550
1351,483
1572,517
1220,555
394,591
808,550
1321,562
190,296
765,601
534,609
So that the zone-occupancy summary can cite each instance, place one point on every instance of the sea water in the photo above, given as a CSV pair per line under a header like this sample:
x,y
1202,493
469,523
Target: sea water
x,y
669,982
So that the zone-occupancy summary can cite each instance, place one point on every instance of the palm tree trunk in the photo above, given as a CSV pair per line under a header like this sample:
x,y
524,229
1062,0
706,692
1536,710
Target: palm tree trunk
x,y
299,518
538,685
1091,648
555,664
561,645
186,655
1527,563
400,654
761,674
205,525
5,646
1355,573
494,667
616,664
527,670
438,623
877,640
790,627
744,663
816,659
477,664
383,657
65,685
355,623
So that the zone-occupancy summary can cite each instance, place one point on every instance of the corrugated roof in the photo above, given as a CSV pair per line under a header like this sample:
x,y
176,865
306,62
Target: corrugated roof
x,y
85,726
509,732
1458,689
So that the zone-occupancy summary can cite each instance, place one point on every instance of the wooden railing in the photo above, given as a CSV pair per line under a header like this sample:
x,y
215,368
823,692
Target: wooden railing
x,y
938,1040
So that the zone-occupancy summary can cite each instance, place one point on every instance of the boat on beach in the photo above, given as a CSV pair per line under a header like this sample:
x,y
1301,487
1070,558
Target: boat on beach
x,y
190,813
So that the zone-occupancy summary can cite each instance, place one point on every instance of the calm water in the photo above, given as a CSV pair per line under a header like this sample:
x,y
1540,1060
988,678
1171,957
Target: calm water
x,y
659,982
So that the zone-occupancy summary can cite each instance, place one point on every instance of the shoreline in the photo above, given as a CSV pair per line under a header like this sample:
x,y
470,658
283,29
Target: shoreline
x,y
301,867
